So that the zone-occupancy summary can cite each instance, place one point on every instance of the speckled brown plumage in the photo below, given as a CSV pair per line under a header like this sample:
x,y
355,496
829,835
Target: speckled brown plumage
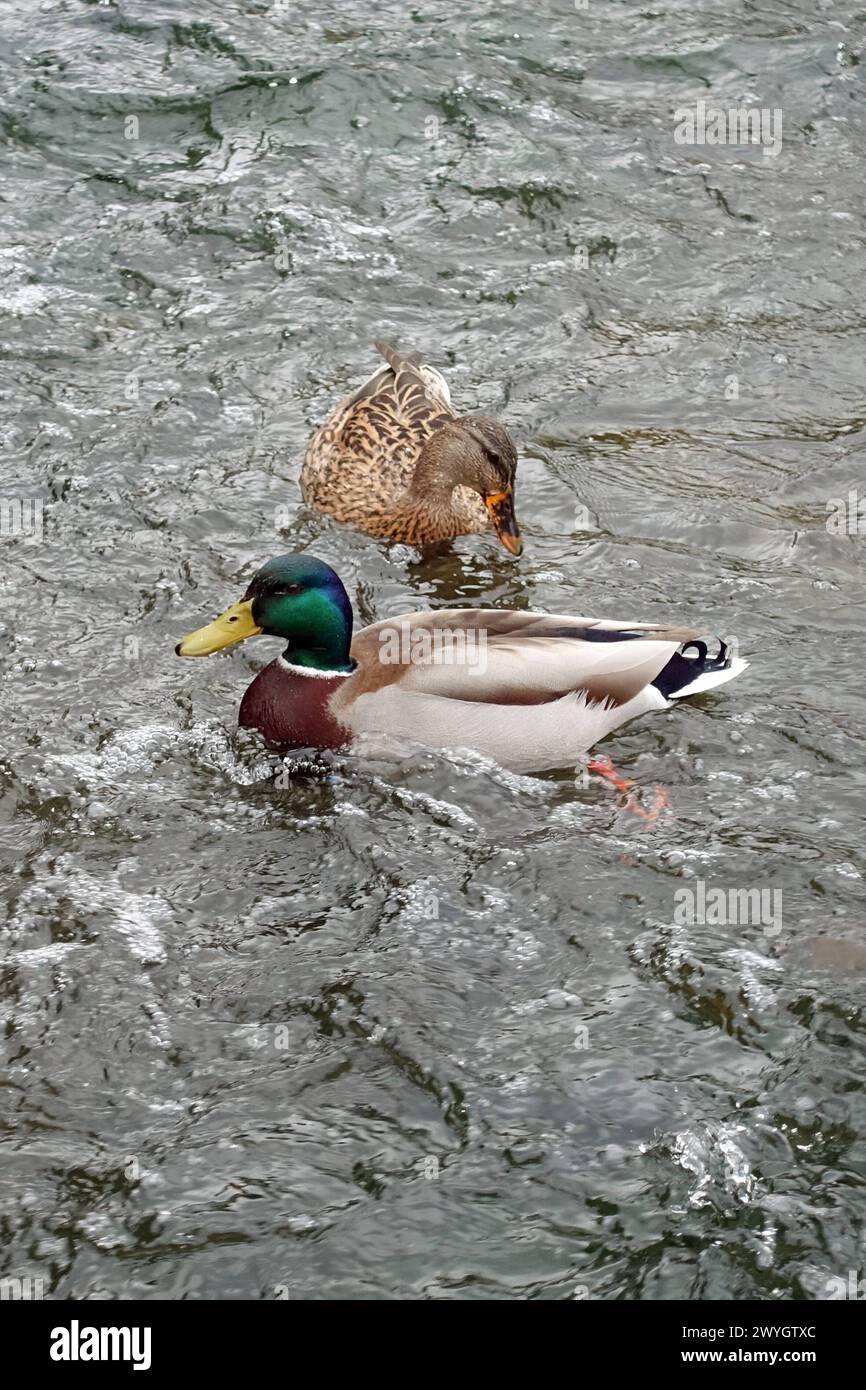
x,y
396,461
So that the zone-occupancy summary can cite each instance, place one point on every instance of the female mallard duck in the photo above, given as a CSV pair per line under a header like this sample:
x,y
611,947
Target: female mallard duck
x,y
528,690
396,461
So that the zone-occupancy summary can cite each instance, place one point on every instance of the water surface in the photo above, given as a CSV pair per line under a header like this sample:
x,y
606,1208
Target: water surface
x,y
413,1027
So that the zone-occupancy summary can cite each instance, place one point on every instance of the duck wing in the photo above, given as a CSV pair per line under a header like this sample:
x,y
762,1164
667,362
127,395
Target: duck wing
x,y
401,403
371,442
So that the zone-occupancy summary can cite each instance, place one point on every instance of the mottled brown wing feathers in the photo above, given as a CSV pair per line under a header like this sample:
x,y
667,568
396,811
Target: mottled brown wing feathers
x,y
393,408
360,463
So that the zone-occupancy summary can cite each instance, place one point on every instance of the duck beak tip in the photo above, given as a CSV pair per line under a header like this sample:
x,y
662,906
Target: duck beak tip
x,y
232,626
500,507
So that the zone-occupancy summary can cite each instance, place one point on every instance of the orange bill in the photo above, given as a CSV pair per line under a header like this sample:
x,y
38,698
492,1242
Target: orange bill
x,y
500,505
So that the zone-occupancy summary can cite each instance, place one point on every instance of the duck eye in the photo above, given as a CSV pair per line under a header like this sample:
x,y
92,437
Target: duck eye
x,y
293,588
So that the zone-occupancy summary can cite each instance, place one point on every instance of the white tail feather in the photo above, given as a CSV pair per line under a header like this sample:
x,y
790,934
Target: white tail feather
x,y
708,680
435,383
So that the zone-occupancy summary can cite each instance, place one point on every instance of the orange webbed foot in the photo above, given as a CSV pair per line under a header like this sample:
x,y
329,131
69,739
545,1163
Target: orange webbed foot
x,y
605,768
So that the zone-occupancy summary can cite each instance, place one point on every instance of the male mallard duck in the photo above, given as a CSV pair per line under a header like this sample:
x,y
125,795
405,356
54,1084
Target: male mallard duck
x,y
395,460
532,691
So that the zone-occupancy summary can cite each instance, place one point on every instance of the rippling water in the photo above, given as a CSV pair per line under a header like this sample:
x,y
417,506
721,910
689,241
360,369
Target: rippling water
x,y
417,1027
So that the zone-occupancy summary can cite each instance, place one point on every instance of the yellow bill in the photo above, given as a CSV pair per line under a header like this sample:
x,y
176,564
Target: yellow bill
x,y
230,627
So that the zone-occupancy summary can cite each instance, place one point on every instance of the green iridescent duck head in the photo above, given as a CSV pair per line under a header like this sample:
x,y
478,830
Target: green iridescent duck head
x,y
296,597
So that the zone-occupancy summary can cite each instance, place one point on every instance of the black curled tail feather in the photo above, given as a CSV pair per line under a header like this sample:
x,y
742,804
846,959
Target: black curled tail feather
x,y
682,669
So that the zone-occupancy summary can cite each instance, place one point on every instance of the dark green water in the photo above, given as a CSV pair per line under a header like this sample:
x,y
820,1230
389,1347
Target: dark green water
x,y
329,1039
